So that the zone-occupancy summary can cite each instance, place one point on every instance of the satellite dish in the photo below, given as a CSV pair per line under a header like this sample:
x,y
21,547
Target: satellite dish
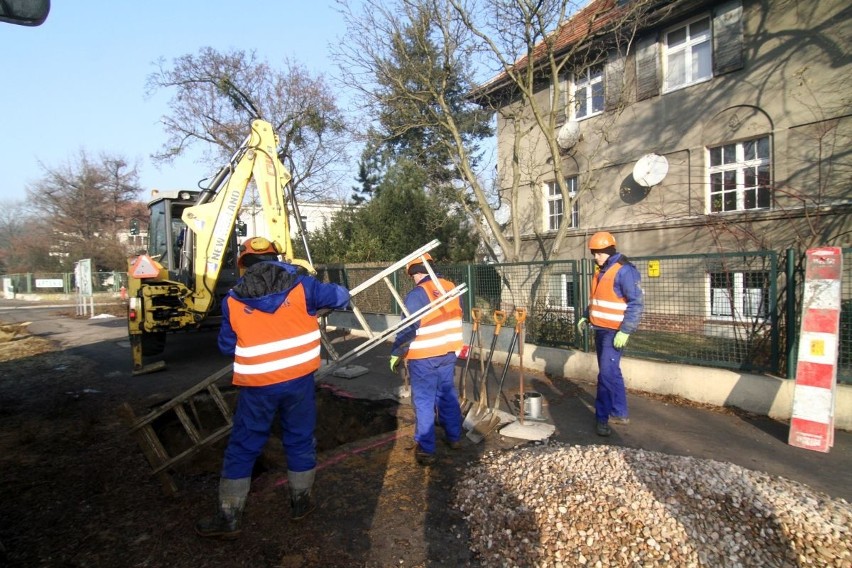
x,y
568,135
650,170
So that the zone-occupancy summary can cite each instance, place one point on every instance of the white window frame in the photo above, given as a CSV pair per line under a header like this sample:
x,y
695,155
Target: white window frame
x,y
693,46
553,199
588,80
561,299
733,178
747,305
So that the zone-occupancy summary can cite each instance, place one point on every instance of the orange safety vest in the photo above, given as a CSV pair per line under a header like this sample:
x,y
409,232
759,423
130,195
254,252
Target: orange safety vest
x,y
606,309
440,330
274,347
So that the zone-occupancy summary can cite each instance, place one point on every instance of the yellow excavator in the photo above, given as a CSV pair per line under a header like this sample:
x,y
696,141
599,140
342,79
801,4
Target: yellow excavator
x,y
190,264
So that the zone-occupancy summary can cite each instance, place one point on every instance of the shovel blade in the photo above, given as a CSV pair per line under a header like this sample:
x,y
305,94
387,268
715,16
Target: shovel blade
x,y
483,428
475,414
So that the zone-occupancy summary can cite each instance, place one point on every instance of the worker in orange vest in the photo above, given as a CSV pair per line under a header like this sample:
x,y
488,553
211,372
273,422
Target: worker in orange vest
x,y
615,309
269,326
430,348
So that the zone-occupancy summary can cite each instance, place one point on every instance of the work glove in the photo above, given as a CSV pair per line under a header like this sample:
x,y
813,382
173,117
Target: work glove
x,y
620,339
394,362
582,325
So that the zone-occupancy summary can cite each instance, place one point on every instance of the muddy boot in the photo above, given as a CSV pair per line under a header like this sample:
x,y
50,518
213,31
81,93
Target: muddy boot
x,y
301,502
225,523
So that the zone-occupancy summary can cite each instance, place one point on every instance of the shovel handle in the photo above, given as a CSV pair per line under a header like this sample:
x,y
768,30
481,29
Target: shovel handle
x,y
520,318
476,315
499,320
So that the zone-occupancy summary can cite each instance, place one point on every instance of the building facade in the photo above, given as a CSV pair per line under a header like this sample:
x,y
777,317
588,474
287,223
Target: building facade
x,y
688,127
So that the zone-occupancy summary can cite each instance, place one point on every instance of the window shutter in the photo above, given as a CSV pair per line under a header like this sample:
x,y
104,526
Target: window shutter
x,y
613,80
647,70
728,37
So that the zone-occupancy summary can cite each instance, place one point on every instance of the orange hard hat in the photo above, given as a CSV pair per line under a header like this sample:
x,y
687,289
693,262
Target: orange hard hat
x,y
417,261
601,240
259,246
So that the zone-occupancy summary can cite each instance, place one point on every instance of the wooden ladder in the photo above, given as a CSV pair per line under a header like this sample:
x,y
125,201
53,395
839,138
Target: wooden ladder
x,y
183,405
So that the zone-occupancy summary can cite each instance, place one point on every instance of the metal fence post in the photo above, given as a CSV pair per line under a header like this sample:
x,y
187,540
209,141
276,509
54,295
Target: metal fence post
x,y
471,292
790,307
585,282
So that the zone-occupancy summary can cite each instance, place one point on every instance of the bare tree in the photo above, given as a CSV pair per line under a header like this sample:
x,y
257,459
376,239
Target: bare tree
x,y
217,94
14,222
85,203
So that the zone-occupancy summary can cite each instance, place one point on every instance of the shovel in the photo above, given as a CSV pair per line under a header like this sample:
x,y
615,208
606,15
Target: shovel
x,y
464,403
521,340
479,411
494,419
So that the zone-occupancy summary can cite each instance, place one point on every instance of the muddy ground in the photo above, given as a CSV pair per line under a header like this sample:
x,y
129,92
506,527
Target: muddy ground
x,y
75,489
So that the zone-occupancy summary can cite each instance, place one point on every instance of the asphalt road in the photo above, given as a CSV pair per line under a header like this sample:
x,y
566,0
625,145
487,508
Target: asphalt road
x,y
190,357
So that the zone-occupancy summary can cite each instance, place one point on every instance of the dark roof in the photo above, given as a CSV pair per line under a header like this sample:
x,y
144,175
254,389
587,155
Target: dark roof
x,y
591,19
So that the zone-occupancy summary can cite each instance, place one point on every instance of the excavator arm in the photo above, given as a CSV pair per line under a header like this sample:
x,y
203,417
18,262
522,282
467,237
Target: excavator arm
x,y
212,222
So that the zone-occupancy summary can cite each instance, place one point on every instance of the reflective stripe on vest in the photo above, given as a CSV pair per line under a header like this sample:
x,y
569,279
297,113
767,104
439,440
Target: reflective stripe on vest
x,y
440,330
277,347
606,309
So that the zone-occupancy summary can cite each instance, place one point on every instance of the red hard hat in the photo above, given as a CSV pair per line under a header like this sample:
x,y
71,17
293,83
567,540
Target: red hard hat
x,y
601,240
416,261
256,245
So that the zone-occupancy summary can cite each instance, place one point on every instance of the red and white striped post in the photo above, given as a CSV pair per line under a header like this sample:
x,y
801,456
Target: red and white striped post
x,y
812,424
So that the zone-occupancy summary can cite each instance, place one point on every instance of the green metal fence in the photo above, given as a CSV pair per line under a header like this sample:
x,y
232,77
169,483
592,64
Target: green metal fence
x,y
62,282
712,309
736,310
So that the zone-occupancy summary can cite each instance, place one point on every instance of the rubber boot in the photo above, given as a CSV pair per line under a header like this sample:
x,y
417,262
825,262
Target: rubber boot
x,y
301,501
225,524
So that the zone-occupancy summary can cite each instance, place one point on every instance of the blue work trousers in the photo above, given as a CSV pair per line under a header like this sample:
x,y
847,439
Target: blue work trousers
x,y
432,386
611,398
295,402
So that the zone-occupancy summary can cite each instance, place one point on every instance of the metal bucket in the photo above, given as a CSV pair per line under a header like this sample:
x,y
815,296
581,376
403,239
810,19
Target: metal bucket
x,y
532,404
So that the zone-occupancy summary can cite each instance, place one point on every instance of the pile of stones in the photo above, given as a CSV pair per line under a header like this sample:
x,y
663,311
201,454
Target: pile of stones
x,y
553,505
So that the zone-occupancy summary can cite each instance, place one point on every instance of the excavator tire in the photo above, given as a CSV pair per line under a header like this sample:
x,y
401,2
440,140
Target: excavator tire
x,y
153,343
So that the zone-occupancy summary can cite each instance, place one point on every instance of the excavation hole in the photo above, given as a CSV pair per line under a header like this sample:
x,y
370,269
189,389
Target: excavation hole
x,y
340,420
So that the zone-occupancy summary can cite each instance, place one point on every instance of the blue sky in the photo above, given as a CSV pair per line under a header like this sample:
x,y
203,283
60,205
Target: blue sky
x,y
78,80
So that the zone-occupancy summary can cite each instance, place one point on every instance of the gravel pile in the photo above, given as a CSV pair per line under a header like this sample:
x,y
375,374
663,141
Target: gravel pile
x,y
557,505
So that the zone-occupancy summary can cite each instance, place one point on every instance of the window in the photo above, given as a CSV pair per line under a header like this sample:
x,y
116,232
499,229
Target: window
x,y
556,207
739,295
568,291
589,93
687,55
560,292
739,176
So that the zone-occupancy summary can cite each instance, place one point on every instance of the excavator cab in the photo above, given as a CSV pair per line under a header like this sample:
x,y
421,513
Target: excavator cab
x,y
168,243
166,231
